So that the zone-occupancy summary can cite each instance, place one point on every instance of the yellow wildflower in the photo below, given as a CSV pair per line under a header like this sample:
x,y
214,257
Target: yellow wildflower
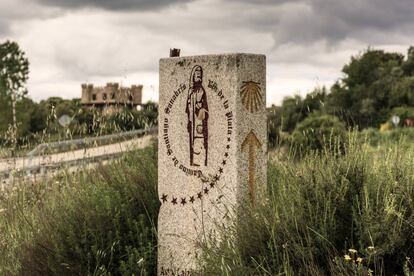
x,y
347,257
352,251
359,260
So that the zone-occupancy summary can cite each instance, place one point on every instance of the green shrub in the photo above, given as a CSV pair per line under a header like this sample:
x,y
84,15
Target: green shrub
x,y
99,222
317,132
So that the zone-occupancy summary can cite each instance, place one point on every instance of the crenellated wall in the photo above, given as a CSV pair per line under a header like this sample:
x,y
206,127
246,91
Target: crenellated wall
x,y
111,94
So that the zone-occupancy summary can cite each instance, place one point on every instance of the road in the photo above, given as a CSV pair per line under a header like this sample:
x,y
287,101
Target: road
x,y
22,163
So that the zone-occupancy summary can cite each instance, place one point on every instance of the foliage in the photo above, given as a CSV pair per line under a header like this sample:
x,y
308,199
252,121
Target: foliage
x,y
404,113
133,119
394,136
39,122
325,214
374,83
14,72
295,109
317,131
98,222
26,113
273,126
14,68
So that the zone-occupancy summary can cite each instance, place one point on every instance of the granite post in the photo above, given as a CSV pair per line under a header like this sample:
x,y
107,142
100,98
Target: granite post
x,y
212,149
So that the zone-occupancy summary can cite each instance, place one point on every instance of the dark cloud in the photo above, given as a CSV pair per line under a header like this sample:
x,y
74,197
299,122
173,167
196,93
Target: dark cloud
x,y
307,21
115,5
348,17
304,40
14,13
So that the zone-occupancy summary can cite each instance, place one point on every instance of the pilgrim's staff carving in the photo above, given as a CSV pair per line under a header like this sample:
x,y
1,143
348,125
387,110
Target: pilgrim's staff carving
x,y
197,114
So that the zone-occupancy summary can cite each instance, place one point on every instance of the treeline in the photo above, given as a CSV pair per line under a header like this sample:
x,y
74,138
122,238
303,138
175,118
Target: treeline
x,y
23,121
375,86
39,122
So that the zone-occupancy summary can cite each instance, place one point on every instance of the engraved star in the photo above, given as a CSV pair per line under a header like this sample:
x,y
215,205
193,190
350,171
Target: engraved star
x,y
216,177
174,201
183,201
212,184
228,139
226,154
191,199
199,195
220,170
206,190
164,198
224,162
228,146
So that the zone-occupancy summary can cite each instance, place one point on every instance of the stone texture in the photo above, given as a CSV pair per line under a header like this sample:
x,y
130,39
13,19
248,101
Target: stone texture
x,y
212,149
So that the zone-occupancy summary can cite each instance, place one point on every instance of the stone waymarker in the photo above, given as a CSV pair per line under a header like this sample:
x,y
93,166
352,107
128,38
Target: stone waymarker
x,y
212,149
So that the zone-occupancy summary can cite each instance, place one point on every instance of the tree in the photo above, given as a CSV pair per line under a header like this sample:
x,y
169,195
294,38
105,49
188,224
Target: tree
x,y
292,112
363,97
14,72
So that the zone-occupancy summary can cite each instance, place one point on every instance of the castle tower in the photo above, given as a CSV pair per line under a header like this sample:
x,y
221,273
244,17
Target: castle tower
x,y
136,93
86,93
111,97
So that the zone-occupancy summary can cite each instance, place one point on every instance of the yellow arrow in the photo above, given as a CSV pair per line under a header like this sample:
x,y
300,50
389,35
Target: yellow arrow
x,y
251,141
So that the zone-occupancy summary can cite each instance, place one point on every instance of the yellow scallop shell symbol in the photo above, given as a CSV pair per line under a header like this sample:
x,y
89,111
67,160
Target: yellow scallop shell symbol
x,y
251,96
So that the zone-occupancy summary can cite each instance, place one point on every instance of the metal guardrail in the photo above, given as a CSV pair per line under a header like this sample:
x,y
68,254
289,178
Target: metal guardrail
x,y
36,169
78,144
85,142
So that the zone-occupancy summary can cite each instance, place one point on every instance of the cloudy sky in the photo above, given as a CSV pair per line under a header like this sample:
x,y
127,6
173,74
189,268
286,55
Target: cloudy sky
x,y
69,42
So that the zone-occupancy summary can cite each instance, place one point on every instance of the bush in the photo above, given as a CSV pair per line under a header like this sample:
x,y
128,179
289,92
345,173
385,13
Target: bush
x,y
317,132
95,223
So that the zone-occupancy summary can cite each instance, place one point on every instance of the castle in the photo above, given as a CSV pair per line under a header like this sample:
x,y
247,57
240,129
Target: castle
x,y
112,97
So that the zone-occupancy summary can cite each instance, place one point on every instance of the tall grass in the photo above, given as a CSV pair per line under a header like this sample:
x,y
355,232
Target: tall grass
x,y
100,222
338,211
328,213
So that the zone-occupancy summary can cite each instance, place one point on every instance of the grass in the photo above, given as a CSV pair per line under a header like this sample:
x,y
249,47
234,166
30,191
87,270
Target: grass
x,y
328,213
101,222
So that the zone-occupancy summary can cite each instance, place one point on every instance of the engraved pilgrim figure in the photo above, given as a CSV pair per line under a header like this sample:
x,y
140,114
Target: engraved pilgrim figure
x,y
197,112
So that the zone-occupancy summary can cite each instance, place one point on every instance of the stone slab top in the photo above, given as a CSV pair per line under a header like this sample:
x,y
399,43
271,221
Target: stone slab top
x,y
214,55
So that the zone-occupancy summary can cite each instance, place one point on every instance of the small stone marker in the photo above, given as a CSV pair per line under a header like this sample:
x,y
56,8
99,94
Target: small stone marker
x,y
212,149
